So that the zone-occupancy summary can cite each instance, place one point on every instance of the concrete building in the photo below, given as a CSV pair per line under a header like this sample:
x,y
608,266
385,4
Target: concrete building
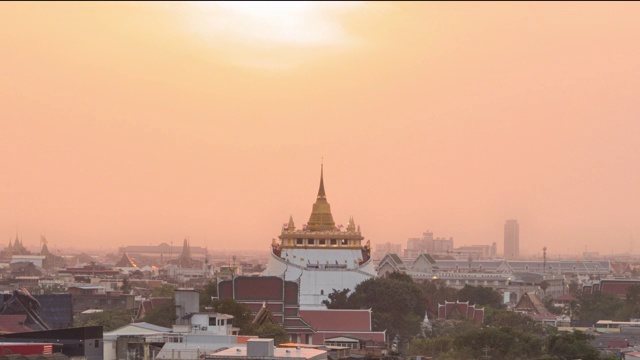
x,y
428,245
386,248
511,239
264,349
475,252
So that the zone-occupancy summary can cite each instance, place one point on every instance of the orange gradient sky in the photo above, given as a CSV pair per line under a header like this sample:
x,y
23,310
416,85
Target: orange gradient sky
x,y
142,123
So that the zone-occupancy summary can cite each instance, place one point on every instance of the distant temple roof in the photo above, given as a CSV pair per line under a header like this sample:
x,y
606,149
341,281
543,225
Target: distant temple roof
x,y
125,261
460,310
163,248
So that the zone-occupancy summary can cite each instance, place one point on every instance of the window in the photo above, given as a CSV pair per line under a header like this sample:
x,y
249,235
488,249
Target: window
x,y
97,343
322,242
299,241
212,321
334,242
309,241
344,242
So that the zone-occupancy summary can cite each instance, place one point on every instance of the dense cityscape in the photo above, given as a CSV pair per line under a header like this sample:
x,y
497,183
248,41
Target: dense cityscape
x,y
330,180
321,292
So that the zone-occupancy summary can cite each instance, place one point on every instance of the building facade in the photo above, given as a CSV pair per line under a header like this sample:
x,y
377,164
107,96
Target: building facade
x,y
427,244
511,239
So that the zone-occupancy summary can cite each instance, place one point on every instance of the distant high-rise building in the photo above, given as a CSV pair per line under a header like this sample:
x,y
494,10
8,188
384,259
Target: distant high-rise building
x,y
511,239
387,248
428,245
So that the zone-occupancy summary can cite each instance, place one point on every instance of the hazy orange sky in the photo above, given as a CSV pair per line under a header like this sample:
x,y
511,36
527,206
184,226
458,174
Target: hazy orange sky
x,y
142,123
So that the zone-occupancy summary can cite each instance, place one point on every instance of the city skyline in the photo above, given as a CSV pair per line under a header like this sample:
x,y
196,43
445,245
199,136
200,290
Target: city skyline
x,y
144,123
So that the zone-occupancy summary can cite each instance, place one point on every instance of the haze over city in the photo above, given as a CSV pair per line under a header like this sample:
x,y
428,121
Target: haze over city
x,y
143,123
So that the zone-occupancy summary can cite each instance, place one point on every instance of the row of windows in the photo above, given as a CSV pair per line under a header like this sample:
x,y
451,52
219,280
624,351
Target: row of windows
x,y
321,241
348,345
220,322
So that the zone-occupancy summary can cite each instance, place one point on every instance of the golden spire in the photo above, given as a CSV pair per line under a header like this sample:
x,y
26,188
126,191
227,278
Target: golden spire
x,y
321,218
291,226
321,193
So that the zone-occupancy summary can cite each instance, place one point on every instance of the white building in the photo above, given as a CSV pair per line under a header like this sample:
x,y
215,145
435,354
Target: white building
x,y
34,259
263,349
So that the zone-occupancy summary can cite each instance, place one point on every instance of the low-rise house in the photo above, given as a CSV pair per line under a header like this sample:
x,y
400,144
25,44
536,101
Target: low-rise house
x,y
530,305
332,325
263,349
128,341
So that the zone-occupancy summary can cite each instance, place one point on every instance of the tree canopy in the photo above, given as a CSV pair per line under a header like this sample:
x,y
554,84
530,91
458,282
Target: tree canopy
x,y
108,319
398,304
166,290
597,306
163,315
480,295
208,292
242,317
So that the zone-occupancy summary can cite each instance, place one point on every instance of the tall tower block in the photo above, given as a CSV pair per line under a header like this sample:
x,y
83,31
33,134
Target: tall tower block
x,y
511,239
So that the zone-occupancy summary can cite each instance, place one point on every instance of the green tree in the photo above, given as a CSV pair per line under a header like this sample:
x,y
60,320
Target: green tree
x,y
574,288
437,292
481,295
126,286
515,321
163,315
338,299
242,317
631,308
597,306
272,331
544,285
208,292
548,304
49,289
467,340
108,319
633,295
397,302
166,290
573,345
499,343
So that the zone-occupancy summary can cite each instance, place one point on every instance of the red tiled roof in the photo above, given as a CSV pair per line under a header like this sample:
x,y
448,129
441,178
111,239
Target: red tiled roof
x,y
446,310
612,286
564,297
617,344
338,320
320,337
13,324
261,288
